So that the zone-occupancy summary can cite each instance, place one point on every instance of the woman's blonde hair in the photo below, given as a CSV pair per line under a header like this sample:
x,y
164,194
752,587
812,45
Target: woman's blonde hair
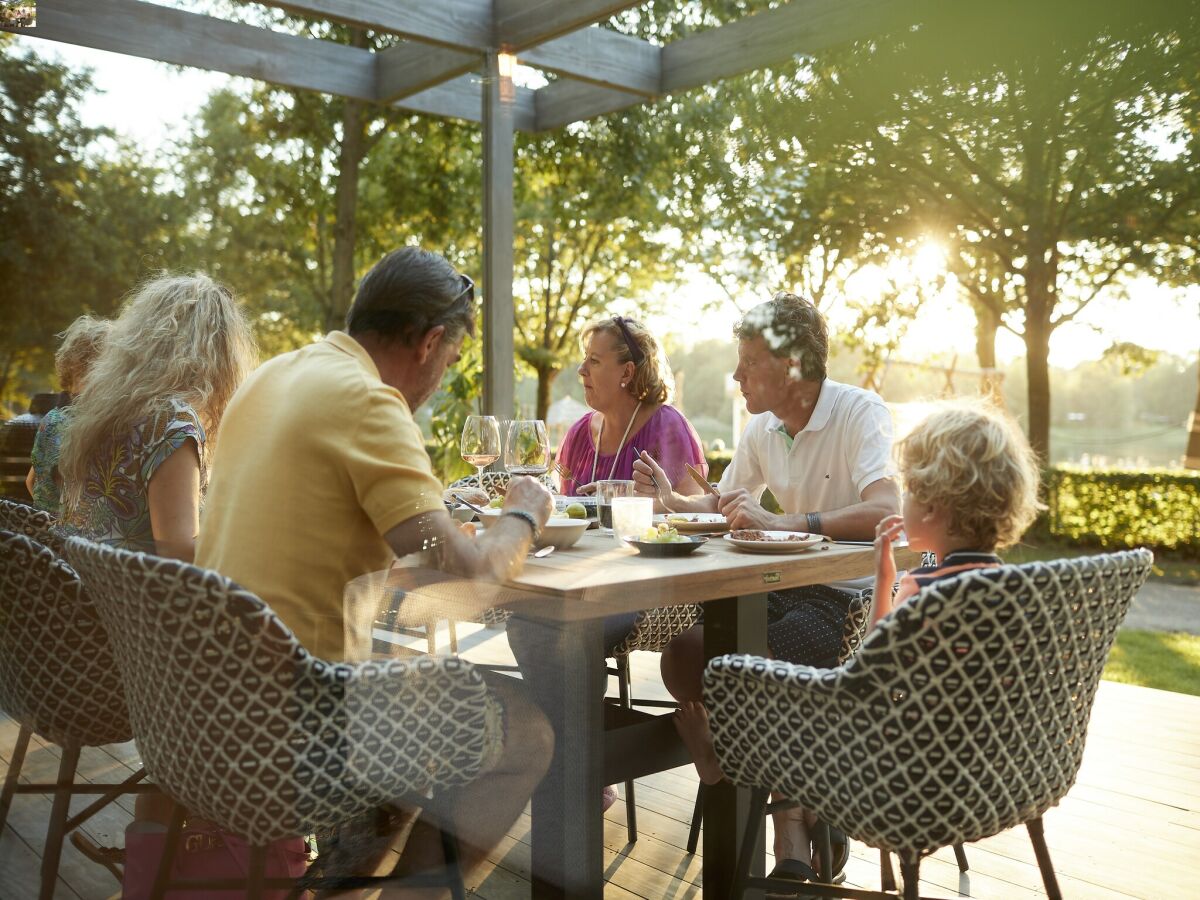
x,y
179,337
652,381
973,461
81,344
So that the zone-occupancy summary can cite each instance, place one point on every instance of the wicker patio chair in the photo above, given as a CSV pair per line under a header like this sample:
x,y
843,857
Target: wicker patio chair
x,y
853,633
963,715
239,724
32,522
58,679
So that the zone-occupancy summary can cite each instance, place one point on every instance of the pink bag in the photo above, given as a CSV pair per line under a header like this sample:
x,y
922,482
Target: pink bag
x,y
204,852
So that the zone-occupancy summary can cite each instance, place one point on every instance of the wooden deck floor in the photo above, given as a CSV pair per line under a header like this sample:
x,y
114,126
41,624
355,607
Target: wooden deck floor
x,y
1129,828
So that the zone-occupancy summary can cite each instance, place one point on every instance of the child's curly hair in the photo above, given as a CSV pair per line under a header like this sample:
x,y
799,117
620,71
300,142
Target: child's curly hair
x,y
975,462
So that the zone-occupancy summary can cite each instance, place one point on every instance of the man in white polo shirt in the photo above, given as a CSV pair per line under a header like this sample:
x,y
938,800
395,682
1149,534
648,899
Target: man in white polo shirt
x,y
824,450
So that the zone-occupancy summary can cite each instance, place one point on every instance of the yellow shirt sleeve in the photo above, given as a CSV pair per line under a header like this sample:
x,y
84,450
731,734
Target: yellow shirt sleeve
x,y
387,463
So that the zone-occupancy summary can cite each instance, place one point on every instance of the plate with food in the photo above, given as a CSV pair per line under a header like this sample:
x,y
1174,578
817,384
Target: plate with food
x,y
663,540
695,523
758,541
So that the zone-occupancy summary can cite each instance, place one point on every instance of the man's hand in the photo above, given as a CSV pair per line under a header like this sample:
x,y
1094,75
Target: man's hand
x,y
741,510
529,495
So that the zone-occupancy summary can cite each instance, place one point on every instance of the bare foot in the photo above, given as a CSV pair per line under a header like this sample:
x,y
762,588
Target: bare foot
x,y
691,721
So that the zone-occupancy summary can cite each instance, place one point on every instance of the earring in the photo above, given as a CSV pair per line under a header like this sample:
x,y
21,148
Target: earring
x,y
622,384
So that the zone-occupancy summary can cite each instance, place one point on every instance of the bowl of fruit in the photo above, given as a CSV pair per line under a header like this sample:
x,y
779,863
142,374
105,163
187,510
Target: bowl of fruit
x,y
663,540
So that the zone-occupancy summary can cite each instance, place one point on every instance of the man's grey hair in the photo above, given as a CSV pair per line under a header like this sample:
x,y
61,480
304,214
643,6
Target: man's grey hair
x,y
407,293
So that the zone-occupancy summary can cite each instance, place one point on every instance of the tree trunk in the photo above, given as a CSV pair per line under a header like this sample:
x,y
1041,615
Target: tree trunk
x,y
987,325
1191,457
545,376
345,233
1037,368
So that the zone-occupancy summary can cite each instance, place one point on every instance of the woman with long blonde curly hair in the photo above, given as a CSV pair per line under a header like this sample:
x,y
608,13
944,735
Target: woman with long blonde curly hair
x,y
173,359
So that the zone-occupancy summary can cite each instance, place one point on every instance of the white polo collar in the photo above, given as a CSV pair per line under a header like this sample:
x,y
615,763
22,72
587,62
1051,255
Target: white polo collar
x,y
821,413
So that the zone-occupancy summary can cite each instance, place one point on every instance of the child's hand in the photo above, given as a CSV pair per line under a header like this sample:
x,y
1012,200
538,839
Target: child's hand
x,y
885,561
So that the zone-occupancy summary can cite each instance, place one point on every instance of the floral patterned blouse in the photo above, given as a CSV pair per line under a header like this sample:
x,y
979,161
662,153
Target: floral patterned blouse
x,y
115,507
45,460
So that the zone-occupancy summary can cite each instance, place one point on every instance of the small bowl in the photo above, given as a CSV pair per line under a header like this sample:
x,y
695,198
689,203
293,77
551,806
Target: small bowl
x,y
561,532
675,548
461,513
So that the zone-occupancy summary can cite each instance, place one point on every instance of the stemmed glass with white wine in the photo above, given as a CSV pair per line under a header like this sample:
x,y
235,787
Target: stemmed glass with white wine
x,y
480,445
528,450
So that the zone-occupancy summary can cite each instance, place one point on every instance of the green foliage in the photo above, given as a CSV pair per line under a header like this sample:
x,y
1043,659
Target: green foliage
x,y
1114,509
82,216
1051,149
1167,661
458,398
718,461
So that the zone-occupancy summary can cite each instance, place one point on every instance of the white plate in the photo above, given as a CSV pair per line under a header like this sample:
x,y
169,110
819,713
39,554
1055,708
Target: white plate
x,y
695,523
799,541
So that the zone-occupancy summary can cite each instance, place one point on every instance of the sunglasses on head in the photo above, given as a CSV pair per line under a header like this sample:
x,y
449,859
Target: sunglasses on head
x,y
635,349
468,290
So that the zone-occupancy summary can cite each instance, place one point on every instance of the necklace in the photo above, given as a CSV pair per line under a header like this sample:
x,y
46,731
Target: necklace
x,y
620,446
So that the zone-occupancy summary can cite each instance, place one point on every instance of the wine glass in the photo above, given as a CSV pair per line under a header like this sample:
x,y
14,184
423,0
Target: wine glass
x,y
480,445
528,450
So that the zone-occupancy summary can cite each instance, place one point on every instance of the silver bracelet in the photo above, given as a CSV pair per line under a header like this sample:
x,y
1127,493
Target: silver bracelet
x,y
814,523
526,518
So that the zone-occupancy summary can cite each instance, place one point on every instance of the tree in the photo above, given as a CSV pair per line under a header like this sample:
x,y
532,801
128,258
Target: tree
x,y
82,216
1045,148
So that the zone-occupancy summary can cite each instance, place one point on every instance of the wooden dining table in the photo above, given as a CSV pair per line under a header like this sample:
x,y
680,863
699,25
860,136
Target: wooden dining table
x,y
570,593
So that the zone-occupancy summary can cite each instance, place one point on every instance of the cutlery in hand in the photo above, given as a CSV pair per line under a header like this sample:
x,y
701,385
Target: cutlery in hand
x,y
467,503
700,480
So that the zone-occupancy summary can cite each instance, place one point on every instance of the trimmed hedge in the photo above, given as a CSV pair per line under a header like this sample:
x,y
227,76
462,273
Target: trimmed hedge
x,y
1113,508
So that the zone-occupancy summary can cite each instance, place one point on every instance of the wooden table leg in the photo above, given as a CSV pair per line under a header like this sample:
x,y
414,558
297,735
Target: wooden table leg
x,y
732,625
568,831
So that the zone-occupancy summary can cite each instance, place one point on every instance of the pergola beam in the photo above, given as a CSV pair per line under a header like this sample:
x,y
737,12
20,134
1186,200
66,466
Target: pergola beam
x,y
462,24
764,39
520,24
164,34
769,38
604,57
170,35
410,67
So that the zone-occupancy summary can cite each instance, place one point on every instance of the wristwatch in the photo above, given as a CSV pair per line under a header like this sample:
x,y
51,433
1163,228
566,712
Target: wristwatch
x,y
527,519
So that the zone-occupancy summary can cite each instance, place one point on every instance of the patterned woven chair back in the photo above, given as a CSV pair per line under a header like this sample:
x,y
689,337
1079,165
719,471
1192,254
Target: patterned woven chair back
x,y
963,714
855,629
495,484
32,522
653,629
57,672
238,722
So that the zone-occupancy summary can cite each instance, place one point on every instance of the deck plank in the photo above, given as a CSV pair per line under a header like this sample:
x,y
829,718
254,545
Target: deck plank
x,y
1137,798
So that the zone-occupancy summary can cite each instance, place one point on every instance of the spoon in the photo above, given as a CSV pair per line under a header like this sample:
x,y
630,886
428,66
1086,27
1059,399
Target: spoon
x,y
544,552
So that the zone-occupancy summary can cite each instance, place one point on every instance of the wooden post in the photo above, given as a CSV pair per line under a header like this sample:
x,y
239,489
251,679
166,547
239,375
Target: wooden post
x,y
498,358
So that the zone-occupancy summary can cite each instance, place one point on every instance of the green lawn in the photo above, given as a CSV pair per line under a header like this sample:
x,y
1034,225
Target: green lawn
x,y
1167,661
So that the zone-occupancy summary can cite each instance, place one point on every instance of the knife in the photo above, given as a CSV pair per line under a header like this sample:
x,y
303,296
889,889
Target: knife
x,y
699,479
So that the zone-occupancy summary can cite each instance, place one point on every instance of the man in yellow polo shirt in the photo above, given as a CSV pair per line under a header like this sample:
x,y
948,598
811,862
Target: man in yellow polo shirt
x,y
321,476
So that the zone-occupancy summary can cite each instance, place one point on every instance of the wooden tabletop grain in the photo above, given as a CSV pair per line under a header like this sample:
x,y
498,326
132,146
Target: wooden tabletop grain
x,y
598,578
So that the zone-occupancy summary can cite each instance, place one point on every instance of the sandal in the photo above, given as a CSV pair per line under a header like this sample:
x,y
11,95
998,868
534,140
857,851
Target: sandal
x,y
112,858
792,870
839,847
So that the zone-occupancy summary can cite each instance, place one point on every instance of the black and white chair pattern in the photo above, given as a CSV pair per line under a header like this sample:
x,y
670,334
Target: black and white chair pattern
x,y
58,678
239,724
963,715
853,632
32,522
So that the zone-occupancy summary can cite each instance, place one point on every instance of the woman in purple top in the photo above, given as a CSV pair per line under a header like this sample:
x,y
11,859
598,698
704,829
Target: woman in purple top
x,y
627,384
